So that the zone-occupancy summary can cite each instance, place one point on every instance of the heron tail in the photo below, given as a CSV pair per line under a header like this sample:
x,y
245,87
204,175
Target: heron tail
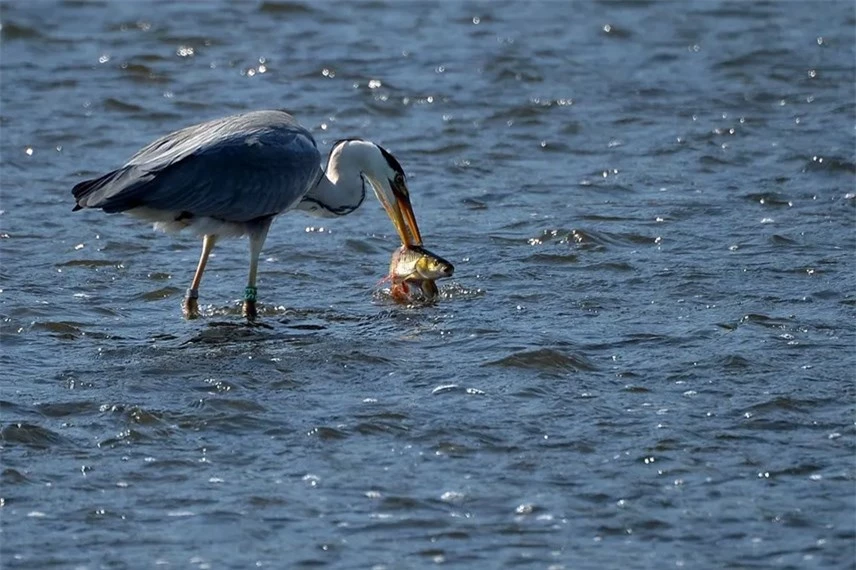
x,y
113,192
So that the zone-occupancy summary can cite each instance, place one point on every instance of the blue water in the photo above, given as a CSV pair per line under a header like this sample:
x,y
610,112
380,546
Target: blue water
x,y
645,358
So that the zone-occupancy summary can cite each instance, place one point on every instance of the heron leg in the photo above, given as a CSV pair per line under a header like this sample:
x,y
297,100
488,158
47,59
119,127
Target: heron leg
x,y
190,306
258,234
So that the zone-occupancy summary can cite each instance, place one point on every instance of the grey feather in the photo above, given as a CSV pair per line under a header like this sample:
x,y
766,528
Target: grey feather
x,y
236,169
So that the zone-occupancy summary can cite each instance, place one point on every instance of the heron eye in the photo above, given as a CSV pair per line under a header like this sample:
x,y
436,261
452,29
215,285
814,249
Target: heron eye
x,y
399,185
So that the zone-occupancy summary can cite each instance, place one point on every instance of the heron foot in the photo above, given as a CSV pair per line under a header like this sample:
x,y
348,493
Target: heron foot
x,y
250,303
249,311
190,306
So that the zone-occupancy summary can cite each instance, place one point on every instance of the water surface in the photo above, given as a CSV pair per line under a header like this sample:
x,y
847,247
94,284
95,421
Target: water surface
x,y
645,358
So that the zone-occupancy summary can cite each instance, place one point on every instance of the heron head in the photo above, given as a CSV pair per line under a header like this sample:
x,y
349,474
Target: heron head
x,y
387,179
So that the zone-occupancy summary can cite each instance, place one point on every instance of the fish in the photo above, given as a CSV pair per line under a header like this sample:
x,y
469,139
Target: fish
x,y
415,262
413,271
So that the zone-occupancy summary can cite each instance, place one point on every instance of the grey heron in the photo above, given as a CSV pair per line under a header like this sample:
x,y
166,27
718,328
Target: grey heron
x,y
231,176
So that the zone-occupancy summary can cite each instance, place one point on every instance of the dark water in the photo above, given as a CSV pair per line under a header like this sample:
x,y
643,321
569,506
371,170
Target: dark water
x,y
645,359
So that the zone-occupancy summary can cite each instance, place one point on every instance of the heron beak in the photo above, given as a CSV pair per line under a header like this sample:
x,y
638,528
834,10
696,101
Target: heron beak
x,y
396,202
408,223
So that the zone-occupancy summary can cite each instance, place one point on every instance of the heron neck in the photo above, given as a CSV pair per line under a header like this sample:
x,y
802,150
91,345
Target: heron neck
x,y
340,191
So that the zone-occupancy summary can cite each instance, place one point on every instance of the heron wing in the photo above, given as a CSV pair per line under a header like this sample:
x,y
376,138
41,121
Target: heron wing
x,y
236,169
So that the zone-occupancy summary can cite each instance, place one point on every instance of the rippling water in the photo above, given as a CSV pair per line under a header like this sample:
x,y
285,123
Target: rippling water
x,y
645,358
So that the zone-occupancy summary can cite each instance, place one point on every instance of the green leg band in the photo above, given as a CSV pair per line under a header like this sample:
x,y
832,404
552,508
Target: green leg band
x,y
250,294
